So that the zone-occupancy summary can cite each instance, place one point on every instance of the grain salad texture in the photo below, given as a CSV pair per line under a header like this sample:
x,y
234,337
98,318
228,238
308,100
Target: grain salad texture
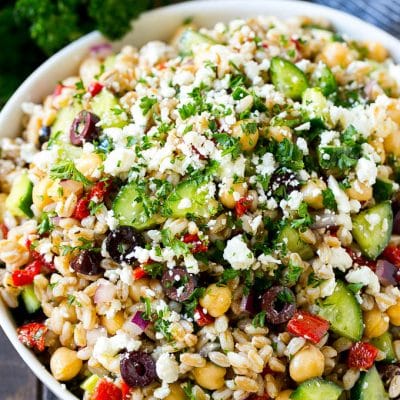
x,y
216,217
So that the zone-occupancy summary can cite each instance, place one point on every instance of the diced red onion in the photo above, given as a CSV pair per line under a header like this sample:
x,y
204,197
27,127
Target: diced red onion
x,y
331,220
105,292
247,304
101,50
139,321
386,272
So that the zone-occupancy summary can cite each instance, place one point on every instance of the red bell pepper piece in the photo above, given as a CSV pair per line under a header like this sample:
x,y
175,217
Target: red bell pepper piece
x,y
126,391
4,231
392,254
25,276
197,245
106,390
359,259
308,326
139,273
81,209
32,335
58,89
242,206
100,189
362,355
202,318
95,88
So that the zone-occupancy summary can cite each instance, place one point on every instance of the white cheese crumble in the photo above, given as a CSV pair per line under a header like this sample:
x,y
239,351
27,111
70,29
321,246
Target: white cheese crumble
x,y
365,276
366,171
238,254
340,196
167,368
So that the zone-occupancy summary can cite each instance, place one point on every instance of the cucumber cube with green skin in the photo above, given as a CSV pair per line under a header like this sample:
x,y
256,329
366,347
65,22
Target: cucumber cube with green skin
x,y
190,197
384,189
343,312
60,130
315,104
190,38
287,78
89,384
385,344
31,302
19,200
324,79
106,106
290,238
369,386
372,229
130,210
317,389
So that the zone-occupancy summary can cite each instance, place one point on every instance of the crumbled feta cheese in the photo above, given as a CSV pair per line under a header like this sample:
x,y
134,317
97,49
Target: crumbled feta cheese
x,y
302,144
366,171
373,219
266,165
167,368
238,254
340,196
340,259
184,203
365,276
119,161
191,264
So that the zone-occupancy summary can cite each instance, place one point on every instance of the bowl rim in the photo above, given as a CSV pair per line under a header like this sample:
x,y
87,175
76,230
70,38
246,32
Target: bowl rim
x,y
11,109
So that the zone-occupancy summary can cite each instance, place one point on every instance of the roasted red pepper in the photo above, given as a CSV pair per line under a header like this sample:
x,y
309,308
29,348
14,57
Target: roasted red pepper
x,y
25,276
99,190
359,259
32,335
139,273
201,317
82,209
392,254
197,245
58,89
95,88
242,206
126,391
362,355
308,326
106,390
4,231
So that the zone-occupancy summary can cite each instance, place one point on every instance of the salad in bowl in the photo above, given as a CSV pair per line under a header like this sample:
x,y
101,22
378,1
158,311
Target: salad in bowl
x,y
212,218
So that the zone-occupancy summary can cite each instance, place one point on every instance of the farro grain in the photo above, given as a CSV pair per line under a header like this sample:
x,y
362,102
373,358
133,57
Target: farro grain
x,y
194,360
276,365
238,360
246,384
219,358
394,387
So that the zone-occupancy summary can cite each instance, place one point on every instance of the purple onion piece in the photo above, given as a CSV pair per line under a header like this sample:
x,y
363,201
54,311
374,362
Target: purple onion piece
x,y
386,272
139,321
396,223
101,50
247,304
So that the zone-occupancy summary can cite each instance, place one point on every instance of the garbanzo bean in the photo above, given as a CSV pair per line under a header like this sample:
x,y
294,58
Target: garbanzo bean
x,y
336,53
87,164
376,323
376,51
113,324
65,364
393,110
40,196
210,376
279,133
308,363
217,300
176,392
231,193
312,193
393,313
379,147
392,143
247,133
135,289
359,191
284,395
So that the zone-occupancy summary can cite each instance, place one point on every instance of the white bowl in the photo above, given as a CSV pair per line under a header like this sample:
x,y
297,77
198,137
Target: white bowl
x,y
158,24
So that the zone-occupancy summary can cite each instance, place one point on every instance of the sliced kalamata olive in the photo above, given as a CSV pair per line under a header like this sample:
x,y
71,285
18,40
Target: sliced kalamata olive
x,y
121,243
178,284
87,262
396,223
388,371
386,272
138,368
83,128
279,303
44,134
283,183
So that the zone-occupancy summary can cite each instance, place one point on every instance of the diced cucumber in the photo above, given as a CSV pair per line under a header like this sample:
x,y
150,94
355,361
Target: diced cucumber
x,y
129,209
19,200
343,312
385,344
287,78
192,198
317,389
316,104
106,106
324,79
383,189
62,125
372,229
291,239
190,38
89,384
31,302
369,386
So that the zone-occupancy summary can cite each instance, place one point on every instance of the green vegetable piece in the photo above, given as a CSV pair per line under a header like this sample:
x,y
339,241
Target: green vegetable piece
x,y
336,160
89,384
385,344
372,229
190,197
190,38
343,312
287,78
62,125
130,210
324,79
383,189
317,389
369,386
31,302
19,200
106,106
315,104
291,239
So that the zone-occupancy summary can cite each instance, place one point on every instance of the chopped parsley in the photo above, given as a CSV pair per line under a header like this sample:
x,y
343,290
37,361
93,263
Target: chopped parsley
x,y
259,319
86,245
328,199
147,103
229,144
228,275
304,219
66,169
292,274
288,154
45,225
178,247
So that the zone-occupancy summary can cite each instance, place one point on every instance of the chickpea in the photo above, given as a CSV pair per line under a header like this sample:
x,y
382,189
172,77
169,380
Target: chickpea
x,y
392,143
210,376
65,364
279,133
87,164
376,51
113,324
336,53
376,323
359,191
40,196
216,300
231,193
308,363
394,313
135,289
284,395
312,193
247,133
176,392
394,111
379,148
